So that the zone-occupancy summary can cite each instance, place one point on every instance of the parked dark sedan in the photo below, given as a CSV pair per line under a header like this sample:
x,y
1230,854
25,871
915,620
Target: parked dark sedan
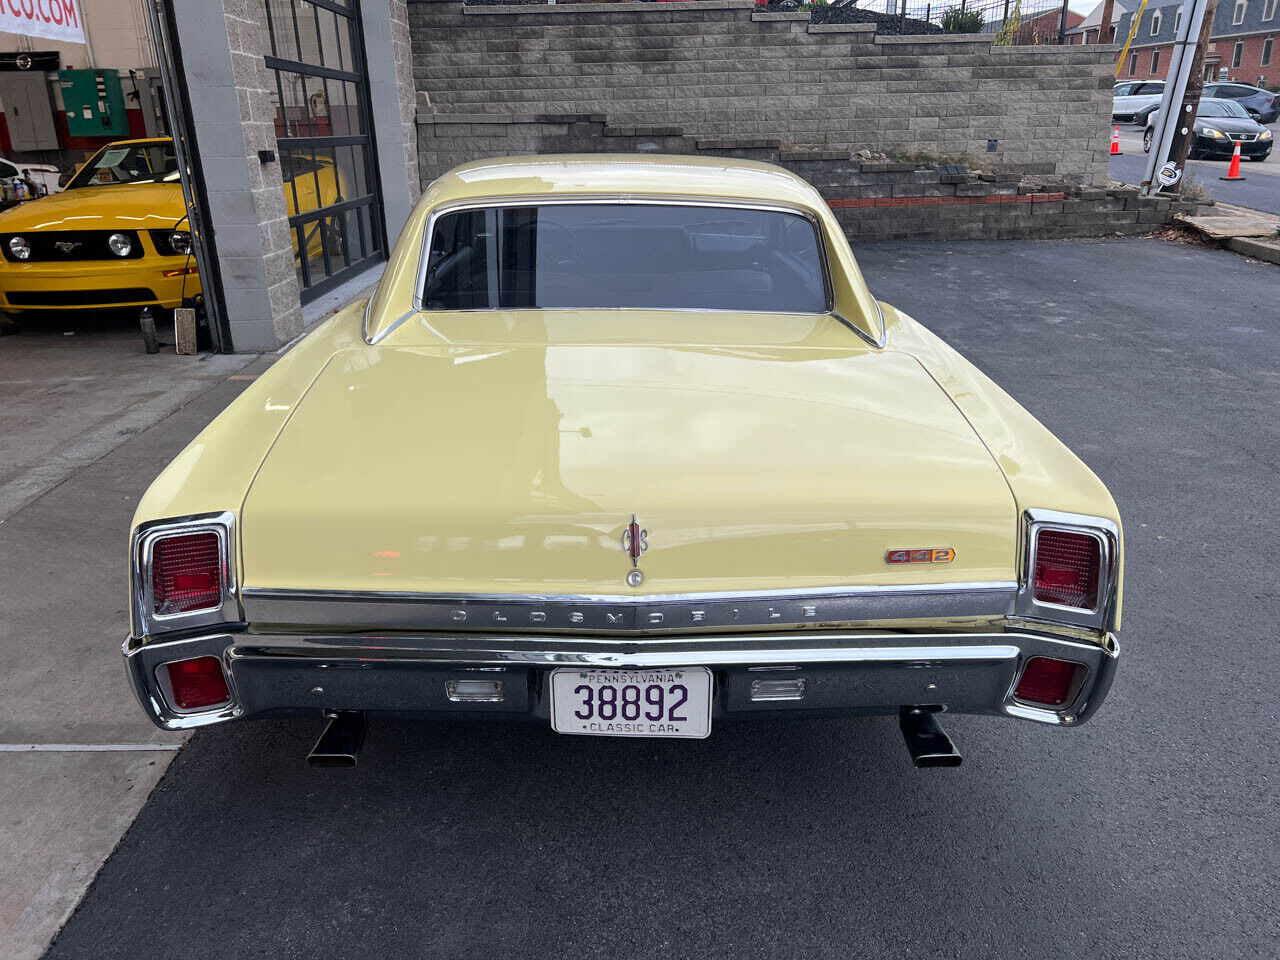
x,y
1220,125
1262,105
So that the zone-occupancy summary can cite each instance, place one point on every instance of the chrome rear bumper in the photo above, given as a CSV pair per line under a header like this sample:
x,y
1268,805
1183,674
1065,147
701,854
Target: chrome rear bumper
x,y
844,673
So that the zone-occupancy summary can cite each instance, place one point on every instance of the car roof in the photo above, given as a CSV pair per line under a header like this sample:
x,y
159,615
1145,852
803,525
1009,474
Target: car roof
x,y
624,175
139,140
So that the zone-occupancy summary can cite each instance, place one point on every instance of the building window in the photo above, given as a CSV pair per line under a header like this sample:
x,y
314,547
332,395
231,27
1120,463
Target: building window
x,y
1237,53
1242,7
1177,20
1266,52
1156,19
1268,9
1155,62
321,95
1133,64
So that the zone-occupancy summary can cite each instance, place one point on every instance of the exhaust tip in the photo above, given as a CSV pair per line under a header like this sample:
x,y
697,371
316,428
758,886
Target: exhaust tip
x,y
322,760
339,744
938,760
928,745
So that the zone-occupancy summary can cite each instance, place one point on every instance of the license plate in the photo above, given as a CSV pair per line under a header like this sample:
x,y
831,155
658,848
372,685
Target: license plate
x,y
632,703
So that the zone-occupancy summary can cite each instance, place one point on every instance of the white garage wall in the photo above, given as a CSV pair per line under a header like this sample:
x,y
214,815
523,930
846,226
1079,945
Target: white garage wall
x,y
118,32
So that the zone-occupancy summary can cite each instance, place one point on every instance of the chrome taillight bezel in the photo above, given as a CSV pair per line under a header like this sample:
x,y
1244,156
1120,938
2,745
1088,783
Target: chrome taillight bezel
x,y
146,621
1027,607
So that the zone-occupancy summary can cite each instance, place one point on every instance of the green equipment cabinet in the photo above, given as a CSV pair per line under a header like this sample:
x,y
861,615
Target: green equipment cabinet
x,y
94,102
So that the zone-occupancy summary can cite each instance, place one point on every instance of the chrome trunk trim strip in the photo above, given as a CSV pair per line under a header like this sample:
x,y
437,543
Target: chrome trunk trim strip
x,y
660,613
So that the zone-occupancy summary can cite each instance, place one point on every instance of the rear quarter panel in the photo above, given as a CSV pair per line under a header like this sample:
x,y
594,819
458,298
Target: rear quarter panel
x,y
1040,469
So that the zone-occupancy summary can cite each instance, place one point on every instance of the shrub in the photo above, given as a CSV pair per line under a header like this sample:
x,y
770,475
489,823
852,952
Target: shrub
x,y
956,20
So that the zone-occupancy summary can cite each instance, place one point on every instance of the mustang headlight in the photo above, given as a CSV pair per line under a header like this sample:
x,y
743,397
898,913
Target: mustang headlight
x,y
120,244
180,242
20,248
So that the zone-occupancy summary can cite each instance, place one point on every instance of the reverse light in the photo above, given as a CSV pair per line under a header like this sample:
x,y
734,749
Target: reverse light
x,y
1068,568
20,247
186,573
197,683
1048,682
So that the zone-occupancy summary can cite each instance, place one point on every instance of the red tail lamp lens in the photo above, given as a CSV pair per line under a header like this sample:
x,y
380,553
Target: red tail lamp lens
x,y
1068,568
1047,681
197,683
186,573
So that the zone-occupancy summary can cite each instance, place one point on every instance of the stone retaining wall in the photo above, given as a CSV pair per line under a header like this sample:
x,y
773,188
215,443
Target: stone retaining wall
x,y
717,69
872,200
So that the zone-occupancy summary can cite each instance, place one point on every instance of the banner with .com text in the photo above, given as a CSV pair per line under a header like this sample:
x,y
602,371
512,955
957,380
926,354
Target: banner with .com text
x,y
51,19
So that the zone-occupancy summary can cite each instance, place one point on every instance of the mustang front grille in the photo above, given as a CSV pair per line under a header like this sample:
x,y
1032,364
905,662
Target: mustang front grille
x,y
71,245
79,298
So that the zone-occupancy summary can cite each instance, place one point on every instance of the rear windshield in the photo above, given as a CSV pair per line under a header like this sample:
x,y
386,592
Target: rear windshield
x,y
128,163
652,256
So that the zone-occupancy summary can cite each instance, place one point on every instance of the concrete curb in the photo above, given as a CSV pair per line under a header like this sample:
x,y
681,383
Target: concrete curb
x,y
1268,250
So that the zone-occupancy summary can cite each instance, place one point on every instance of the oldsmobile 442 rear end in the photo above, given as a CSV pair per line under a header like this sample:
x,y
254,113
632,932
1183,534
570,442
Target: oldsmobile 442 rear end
x,y
624,446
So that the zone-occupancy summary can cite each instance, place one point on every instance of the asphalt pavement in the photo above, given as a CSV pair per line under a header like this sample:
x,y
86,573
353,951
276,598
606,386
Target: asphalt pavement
x,y
1260,190
1149,832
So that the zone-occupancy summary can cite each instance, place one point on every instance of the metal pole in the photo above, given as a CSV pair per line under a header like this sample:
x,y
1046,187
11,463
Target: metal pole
x,y
1168,119
178,130
1184,131
1062,25
1004,21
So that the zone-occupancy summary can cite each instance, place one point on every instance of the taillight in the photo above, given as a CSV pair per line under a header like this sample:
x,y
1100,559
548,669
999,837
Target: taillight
x,y
186,573
197,683
1068,569
1048,681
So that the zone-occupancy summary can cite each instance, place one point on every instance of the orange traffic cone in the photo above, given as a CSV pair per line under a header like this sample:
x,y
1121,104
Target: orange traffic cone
x,y
1115,143
1233,172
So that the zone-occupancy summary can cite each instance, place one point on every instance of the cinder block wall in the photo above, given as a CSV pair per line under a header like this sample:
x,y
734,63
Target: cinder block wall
x,y
721,71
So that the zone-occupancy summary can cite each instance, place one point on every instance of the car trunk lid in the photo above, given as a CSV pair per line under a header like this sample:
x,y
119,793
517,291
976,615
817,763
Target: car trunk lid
x,y
520,470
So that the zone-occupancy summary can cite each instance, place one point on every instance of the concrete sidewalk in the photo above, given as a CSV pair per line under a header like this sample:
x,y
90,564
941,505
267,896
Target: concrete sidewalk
x,y
87,419
77,758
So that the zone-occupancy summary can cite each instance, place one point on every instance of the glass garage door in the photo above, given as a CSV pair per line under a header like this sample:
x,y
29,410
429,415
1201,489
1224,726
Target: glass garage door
x,y
322,126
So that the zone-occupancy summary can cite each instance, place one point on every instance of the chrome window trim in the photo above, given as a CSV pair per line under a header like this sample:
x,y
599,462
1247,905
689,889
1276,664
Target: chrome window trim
x,y
227,610
1101,617
420,275
629,615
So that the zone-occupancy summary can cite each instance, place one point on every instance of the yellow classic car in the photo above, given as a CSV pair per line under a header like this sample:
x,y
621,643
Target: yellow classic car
x,y
623,445
115,237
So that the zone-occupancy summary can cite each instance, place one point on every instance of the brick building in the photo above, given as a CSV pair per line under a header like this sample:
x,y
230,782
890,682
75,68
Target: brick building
x,y
1244,45
1086,30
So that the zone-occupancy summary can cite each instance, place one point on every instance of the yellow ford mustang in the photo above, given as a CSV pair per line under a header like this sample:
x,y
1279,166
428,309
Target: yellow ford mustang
x,y
624,445
117,236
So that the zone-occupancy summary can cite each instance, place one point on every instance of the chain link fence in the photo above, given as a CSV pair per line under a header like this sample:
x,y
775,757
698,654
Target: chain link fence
x,y
1021,22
